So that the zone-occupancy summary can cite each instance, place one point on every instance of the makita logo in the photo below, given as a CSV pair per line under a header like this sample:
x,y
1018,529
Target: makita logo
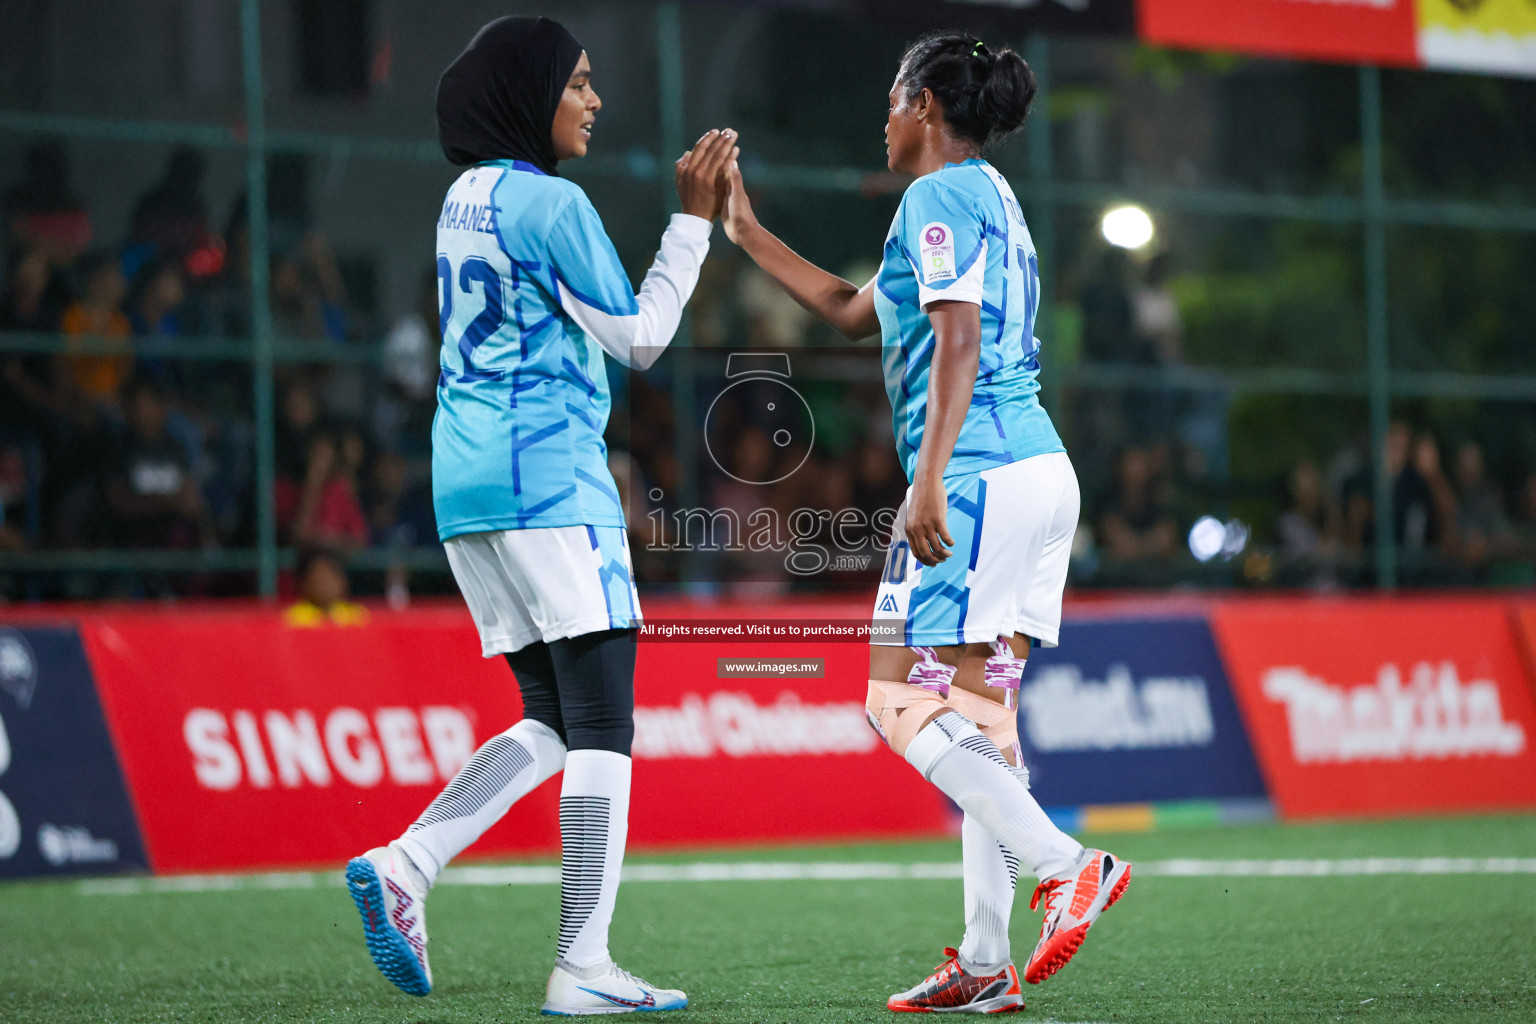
x,y
1435,715
296,748
735,725
1065,712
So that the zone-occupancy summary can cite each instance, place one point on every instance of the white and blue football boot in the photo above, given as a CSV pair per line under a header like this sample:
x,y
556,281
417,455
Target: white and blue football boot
x,y
394,917
575,992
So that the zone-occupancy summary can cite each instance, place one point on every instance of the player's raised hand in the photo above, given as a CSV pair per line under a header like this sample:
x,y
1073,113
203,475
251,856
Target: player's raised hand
x,y
699,173
739,219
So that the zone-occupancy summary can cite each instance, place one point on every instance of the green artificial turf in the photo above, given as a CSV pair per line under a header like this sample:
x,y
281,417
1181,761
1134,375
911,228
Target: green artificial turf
x,y
1175,950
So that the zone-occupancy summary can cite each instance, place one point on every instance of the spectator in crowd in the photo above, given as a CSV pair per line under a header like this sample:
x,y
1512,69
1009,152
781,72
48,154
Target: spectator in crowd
x,y
42,212
1310,531
308,299
156,296
35,294
1424,504
1352,470
324,593
400,517
1310,528
98,314
325,510
1483,530
171,218
153,500
222,300
1135,524
297,419
34,299
399,509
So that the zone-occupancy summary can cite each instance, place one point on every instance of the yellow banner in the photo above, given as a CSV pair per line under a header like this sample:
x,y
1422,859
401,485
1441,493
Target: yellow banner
x,y
1495,36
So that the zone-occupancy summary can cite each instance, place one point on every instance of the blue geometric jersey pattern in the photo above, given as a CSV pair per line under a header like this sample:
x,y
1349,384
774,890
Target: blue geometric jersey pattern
x,y
959,234
522,392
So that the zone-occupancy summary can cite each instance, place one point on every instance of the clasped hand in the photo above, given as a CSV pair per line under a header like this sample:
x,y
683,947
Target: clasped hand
x,y
701,173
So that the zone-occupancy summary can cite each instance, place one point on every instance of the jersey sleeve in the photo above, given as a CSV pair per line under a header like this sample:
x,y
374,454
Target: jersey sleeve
x,y
595,292
945,239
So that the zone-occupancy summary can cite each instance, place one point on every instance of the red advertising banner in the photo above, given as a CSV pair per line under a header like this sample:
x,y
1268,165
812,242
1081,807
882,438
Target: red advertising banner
x,y
1374,707
1525,622
1364,31
247,742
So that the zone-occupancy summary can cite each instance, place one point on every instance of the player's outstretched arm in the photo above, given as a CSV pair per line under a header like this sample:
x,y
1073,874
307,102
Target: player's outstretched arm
x,y
846,307
636,328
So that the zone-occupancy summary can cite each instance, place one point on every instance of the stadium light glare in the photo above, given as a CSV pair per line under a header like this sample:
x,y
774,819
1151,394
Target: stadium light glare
x,y
1210,537
1129,227
1206,538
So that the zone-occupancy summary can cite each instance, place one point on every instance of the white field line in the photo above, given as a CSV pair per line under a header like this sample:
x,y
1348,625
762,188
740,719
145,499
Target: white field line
x,y
846,871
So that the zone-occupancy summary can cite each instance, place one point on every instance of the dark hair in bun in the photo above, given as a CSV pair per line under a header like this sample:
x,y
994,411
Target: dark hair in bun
x,y
986,95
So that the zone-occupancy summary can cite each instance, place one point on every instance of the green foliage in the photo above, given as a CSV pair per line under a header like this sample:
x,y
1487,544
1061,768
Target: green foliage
x,y
1283,294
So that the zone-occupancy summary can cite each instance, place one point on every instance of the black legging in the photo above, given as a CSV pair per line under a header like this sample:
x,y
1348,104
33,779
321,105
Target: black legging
x,y
582,687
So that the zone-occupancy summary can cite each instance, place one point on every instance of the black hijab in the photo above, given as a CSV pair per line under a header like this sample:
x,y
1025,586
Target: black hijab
x,y
497,100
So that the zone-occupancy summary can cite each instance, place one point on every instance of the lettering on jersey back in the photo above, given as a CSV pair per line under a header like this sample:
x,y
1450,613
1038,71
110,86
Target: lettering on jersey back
x,y
479,217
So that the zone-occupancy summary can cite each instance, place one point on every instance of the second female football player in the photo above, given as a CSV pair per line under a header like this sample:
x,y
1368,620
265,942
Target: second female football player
x,y
977,561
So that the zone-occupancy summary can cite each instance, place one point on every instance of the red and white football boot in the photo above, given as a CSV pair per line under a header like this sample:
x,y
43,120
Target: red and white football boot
x,y
951,989
1072,904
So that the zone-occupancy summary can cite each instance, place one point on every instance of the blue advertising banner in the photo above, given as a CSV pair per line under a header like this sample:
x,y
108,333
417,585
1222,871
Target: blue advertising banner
x,y
64,808
1133,711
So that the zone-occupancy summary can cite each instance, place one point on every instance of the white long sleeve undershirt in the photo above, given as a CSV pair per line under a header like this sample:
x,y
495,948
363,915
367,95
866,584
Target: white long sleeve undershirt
x,y
637,340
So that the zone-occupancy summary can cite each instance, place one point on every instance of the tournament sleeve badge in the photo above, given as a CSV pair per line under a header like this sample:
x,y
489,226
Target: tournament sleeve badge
x,y
936,253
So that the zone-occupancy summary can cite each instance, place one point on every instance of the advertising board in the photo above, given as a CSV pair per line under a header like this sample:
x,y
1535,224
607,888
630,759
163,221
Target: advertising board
x,y
1133,710
63,806
248,742
1382,706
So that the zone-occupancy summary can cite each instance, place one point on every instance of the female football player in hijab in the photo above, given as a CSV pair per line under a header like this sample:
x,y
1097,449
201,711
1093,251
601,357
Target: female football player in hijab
x,y
977,561
532,296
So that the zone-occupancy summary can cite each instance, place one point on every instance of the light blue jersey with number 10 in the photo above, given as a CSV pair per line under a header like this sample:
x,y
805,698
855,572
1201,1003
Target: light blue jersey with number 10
x,y
959,234
522,391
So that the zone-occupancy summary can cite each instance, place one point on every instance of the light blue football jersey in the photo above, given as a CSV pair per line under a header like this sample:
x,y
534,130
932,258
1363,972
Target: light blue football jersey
x,y
522,392
959,234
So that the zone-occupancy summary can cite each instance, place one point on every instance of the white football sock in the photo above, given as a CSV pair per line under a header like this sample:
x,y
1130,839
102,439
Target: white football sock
x,y
594,823
504,770
991,873
970,770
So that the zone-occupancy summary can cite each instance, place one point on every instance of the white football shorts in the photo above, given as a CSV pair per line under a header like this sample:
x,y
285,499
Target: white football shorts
x,y
1006,573
523,586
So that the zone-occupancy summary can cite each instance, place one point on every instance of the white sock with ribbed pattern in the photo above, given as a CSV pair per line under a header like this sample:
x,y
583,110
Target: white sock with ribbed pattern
x,y
506,768
594,823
